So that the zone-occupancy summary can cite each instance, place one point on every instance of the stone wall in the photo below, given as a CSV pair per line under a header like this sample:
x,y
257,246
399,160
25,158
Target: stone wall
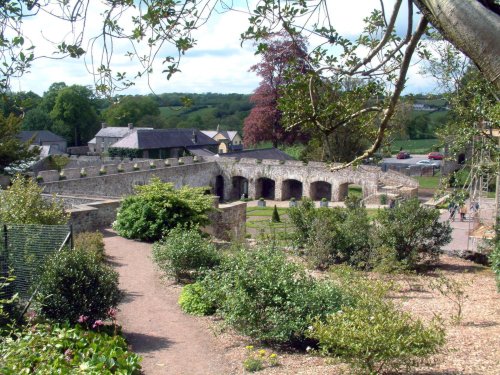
x,y
228,222
93,216
120,184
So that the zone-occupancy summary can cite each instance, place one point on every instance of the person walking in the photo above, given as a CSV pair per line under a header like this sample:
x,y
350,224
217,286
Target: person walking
x,y
463,212
453,211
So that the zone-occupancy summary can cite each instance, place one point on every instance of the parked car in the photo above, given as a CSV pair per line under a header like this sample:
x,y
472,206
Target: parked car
x,y
435,155
428,162
403,155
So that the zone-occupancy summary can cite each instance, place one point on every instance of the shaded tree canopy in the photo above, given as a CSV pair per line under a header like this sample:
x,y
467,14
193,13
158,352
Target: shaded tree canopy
x,y
12,151
131,109
282,55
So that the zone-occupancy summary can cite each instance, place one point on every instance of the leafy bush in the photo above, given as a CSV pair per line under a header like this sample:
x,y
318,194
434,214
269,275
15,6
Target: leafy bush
x,y
158,207
62,349
262,295
75,283
302,217
370,333
22,203
8,302
92,242
184,251
413,231
193,300
340,236
377,337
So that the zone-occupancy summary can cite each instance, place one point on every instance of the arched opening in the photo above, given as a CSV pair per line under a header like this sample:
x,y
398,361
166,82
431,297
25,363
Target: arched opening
x,y
351,190
320,190
291,189
265,188
461,158
239,187
219,187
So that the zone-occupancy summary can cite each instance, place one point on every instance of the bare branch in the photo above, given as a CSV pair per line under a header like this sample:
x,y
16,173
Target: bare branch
x,y
395,96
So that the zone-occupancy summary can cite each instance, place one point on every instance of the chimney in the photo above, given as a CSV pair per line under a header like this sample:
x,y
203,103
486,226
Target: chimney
x,y
130,126
194,137
103,125
218,128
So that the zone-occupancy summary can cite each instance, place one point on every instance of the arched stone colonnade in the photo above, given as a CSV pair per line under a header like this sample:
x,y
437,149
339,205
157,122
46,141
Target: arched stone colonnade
x,y
278,183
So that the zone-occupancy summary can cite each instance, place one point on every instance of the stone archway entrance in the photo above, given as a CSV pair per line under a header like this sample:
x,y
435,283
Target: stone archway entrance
x,y
219,187
291,189
350,189
320,190
239,187
265,188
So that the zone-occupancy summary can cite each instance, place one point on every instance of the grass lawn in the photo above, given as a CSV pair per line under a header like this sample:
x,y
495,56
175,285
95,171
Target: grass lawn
x,y
429,182
265,211
414,146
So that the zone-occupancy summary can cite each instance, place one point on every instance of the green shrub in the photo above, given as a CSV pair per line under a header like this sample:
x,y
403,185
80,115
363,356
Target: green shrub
x,y
302,217
92,242
157,207
383,199
75,283
183,253
413,231
22,203
193,300
377,337
8,302
339,236
263,296
62,349
276,216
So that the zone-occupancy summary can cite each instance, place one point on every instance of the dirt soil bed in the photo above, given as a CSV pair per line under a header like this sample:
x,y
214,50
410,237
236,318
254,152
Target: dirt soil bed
x,y
172,342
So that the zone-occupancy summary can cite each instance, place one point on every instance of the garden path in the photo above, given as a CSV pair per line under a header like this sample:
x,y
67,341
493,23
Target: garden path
x,y
169,341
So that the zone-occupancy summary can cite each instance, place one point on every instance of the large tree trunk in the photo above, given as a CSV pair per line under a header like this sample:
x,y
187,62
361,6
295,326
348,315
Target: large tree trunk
x,y
471,27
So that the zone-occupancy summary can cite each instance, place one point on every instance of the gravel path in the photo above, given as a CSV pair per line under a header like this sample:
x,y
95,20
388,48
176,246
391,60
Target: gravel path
x,y
169,341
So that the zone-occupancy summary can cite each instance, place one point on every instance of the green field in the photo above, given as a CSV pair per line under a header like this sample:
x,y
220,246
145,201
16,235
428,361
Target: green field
x,y
415,146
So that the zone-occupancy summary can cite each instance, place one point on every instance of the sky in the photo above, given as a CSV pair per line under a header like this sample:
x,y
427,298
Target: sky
x,y
218,63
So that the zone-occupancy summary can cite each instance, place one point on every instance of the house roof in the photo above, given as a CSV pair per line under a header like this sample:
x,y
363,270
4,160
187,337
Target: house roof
x,y
39,136
114,132
93,141
147,139
264,153
201,152
228,134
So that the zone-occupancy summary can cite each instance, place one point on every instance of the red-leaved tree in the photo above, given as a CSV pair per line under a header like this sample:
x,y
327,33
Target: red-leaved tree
x,y
264,121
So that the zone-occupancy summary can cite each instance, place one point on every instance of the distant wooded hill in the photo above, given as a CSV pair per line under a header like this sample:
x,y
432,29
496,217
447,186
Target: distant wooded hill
x,y
205,111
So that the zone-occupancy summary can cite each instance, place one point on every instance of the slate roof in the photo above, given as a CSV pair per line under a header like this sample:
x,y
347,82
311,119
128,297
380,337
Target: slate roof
x,y
114,132
39,136
148,139
201,152
264,153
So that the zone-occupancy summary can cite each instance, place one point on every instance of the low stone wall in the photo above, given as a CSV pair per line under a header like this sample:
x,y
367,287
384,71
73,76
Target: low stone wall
x,y
122,183
93,216
228,222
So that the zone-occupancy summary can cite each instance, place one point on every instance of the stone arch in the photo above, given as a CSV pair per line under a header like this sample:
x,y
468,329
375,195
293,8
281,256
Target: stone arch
x,y
344,190
239,187
265,188
320,190
219,187
291,189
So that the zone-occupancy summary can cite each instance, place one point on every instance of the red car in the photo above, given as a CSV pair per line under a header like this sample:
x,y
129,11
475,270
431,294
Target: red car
x,y
435,156
403,155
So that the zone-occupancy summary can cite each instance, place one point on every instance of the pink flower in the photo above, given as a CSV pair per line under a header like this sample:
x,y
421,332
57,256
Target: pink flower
x,y
31,315
112,313
98,323
68,355
82,319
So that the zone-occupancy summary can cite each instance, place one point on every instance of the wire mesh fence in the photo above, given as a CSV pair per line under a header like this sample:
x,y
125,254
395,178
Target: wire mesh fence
x,y
25,248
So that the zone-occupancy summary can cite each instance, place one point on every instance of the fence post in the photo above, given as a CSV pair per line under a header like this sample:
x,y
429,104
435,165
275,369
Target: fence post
x,y
4,258
71,237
